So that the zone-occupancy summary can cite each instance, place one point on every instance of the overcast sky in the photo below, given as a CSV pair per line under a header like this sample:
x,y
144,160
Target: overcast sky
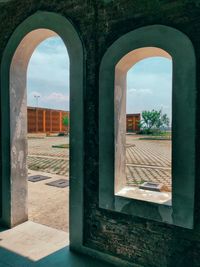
x,y
149,82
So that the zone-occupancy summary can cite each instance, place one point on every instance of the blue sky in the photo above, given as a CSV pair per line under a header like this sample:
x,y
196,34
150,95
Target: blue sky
x,y
149,86
48,75
149,82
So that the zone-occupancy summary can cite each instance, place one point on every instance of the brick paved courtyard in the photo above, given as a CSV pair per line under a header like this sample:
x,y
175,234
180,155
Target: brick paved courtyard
x,y
43,157
147,160
48,205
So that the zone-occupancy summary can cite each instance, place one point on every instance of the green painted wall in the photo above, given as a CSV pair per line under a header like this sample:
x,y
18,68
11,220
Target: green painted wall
x,y
100,23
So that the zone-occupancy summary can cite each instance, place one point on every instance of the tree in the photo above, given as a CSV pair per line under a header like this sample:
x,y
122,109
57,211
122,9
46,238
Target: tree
x,y
65,121
163,122
153,121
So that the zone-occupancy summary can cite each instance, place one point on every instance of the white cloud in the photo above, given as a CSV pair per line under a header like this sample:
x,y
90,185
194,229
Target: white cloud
x,y
48,75
57,97
139,91
53,100
52,97
149,86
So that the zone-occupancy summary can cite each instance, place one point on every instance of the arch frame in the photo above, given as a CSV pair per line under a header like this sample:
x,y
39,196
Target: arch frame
x,y
64,29
120,96
181,212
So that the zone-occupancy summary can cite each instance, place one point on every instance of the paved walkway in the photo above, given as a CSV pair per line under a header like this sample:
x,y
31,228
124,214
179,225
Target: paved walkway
x,y
43,157
147,160
48,205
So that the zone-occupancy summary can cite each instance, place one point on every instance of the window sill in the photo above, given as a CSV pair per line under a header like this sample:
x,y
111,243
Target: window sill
x,y
164,198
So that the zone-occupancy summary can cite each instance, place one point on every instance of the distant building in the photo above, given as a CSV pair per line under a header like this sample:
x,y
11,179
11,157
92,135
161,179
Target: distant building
x,y
44,120
132,122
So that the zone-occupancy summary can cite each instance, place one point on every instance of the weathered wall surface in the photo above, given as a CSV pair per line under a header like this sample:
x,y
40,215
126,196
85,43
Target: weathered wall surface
x,y
99,23
145,242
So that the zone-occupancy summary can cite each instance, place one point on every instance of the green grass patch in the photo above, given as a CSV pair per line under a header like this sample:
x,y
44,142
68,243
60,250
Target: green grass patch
x,y
155,138
61,146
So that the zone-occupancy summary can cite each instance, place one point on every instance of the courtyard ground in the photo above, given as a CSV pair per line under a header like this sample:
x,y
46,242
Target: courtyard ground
x,y
48,205
147,160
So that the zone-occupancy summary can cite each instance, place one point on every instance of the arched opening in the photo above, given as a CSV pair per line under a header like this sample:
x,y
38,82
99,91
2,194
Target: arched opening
x,y
143,137
146,42
19,146
20,47
48,134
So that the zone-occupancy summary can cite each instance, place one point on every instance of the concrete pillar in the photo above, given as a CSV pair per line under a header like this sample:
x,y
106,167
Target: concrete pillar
x,y
50,121
44,120
60,117
18,124
120,129
36,120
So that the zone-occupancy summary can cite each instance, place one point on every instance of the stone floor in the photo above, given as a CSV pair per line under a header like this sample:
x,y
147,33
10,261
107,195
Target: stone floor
x,y
147,160
43,157
35,243
44,239
31,244
48,205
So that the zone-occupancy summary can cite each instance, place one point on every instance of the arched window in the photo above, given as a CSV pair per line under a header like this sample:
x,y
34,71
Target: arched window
x,y
141,171
175,207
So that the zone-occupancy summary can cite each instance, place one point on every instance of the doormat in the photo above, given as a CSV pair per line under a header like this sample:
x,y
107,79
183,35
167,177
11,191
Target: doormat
x,y
59,183
37,178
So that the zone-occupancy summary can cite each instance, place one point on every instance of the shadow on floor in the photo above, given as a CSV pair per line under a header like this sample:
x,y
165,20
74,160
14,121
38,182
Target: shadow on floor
x,y
61,258
32,244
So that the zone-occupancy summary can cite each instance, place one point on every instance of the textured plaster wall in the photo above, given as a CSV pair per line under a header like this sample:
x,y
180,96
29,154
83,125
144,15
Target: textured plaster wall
x,y
18,123
99,23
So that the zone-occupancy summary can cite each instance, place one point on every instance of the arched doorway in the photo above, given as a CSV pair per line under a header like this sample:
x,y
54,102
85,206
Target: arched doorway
x,y
15,60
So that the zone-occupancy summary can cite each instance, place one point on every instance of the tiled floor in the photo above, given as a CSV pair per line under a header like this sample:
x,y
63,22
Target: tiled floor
x,y
32,244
